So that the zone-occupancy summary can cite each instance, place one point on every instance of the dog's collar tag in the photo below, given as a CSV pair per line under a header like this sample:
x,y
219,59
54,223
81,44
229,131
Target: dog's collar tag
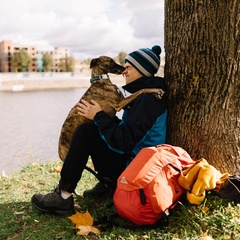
x,y
93,79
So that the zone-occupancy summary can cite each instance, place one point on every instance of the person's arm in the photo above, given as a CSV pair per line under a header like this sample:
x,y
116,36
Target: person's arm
x,y
140,119
89,110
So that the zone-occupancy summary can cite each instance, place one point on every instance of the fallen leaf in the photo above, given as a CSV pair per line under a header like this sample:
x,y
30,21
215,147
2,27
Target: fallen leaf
x,y
84,223
18,213
85,230
82,219
206,237
205,234
205,209
58,169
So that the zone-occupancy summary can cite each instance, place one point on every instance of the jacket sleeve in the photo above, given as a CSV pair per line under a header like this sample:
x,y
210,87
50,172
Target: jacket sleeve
x,y
123,137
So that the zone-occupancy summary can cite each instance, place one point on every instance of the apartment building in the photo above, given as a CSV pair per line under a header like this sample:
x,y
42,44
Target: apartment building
x,y
8,48
58,54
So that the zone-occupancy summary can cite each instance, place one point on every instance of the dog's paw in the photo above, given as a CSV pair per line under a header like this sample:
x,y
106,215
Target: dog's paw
x,y
159,94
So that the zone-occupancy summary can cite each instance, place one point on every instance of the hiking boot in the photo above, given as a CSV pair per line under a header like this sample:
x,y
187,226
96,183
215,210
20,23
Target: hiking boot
x,y
53,203
99,190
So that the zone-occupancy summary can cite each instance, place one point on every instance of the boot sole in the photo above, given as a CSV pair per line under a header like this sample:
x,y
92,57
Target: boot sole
x,y
58,212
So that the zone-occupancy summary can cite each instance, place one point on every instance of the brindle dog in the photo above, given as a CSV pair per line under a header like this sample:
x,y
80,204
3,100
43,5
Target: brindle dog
x,y
105,93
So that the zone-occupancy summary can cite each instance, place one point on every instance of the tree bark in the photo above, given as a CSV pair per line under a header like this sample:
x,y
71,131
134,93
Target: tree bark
x,y
202,46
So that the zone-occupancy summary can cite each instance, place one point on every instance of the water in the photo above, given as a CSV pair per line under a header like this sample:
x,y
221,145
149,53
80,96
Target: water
x,y
30,125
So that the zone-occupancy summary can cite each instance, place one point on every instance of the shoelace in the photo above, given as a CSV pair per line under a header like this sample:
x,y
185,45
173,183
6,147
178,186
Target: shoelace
x,y
52,194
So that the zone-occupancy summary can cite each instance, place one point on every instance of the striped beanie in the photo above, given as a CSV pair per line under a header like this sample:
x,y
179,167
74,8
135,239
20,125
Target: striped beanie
x,y
145,60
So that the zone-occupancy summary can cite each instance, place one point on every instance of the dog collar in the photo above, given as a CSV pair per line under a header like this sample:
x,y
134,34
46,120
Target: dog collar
x,y
93,79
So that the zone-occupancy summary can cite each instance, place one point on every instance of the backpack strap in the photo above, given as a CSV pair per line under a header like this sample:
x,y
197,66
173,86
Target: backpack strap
x,y
99,177
143,198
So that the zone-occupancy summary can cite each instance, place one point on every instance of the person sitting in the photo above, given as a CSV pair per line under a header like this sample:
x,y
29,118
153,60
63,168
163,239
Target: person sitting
x,y
112,142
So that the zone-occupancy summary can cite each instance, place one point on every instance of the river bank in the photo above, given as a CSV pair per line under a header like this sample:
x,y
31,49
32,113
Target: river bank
x,y
33,81
48,81
29,85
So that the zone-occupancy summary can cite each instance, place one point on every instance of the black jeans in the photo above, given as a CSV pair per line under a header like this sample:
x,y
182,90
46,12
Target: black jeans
x,y
86,141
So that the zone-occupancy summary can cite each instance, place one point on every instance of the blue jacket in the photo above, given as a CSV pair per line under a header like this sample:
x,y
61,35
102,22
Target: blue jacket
x,y
143,123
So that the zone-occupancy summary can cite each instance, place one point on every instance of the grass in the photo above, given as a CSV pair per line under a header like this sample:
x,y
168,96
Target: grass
x,y
215,218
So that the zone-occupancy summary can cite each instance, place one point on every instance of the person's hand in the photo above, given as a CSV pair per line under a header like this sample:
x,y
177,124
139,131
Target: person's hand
x,y
87,109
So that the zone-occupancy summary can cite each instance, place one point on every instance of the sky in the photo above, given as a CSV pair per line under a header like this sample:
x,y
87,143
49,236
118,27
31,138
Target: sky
x,y
89,28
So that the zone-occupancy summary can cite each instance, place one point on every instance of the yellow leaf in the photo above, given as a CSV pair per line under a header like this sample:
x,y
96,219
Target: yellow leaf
x,y
205,209
205,234
85,230
82,219
206,237
58,169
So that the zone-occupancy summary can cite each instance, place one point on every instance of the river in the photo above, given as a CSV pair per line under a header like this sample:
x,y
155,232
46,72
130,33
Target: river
x,y
30,125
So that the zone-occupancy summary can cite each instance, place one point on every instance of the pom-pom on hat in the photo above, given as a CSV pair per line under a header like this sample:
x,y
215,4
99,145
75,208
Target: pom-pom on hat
x,y
145,60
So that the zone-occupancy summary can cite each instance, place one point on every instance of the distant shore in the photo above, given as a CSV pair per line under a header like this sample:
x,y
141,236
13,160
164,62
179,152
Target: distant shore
x,y
37,81
25,85
33,81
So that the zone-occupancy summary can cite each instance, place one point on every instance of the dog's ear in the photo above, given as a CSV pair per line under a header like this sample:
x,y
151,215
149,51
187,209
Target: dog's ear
x,y
93,62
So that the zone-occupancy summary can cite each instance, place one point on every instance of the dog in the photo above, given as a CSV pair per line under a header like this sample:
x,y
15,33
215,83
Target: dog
x,y
102,90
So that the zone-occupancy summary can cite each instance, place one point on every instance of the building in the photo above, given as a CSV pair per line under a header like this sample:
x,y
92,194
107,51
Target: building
x,y
8,48
59,54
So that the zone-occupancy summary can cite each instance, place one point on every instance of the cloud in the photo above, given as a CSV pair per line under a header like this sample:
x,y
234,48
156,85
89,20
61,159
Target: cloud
x,y
90,28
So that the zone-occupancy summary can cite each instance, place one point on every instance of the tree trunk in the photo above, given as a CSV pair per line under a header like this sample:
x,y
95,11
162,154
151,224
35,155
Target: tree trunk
x,y
202,45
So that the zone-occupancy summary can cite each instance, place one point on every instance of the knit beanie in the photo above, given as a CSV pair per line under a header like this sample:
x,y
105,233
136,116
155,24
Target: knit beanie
x,y
145,60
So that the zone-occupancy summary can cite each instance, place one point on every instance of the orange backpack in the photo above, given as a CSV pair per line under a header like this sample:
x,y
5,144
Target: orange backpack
x,y
149,187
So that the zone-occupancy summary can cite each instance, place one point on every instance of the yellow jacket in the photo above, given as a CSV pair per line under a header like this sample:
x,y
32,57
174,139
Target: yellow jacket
x,y
200,178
